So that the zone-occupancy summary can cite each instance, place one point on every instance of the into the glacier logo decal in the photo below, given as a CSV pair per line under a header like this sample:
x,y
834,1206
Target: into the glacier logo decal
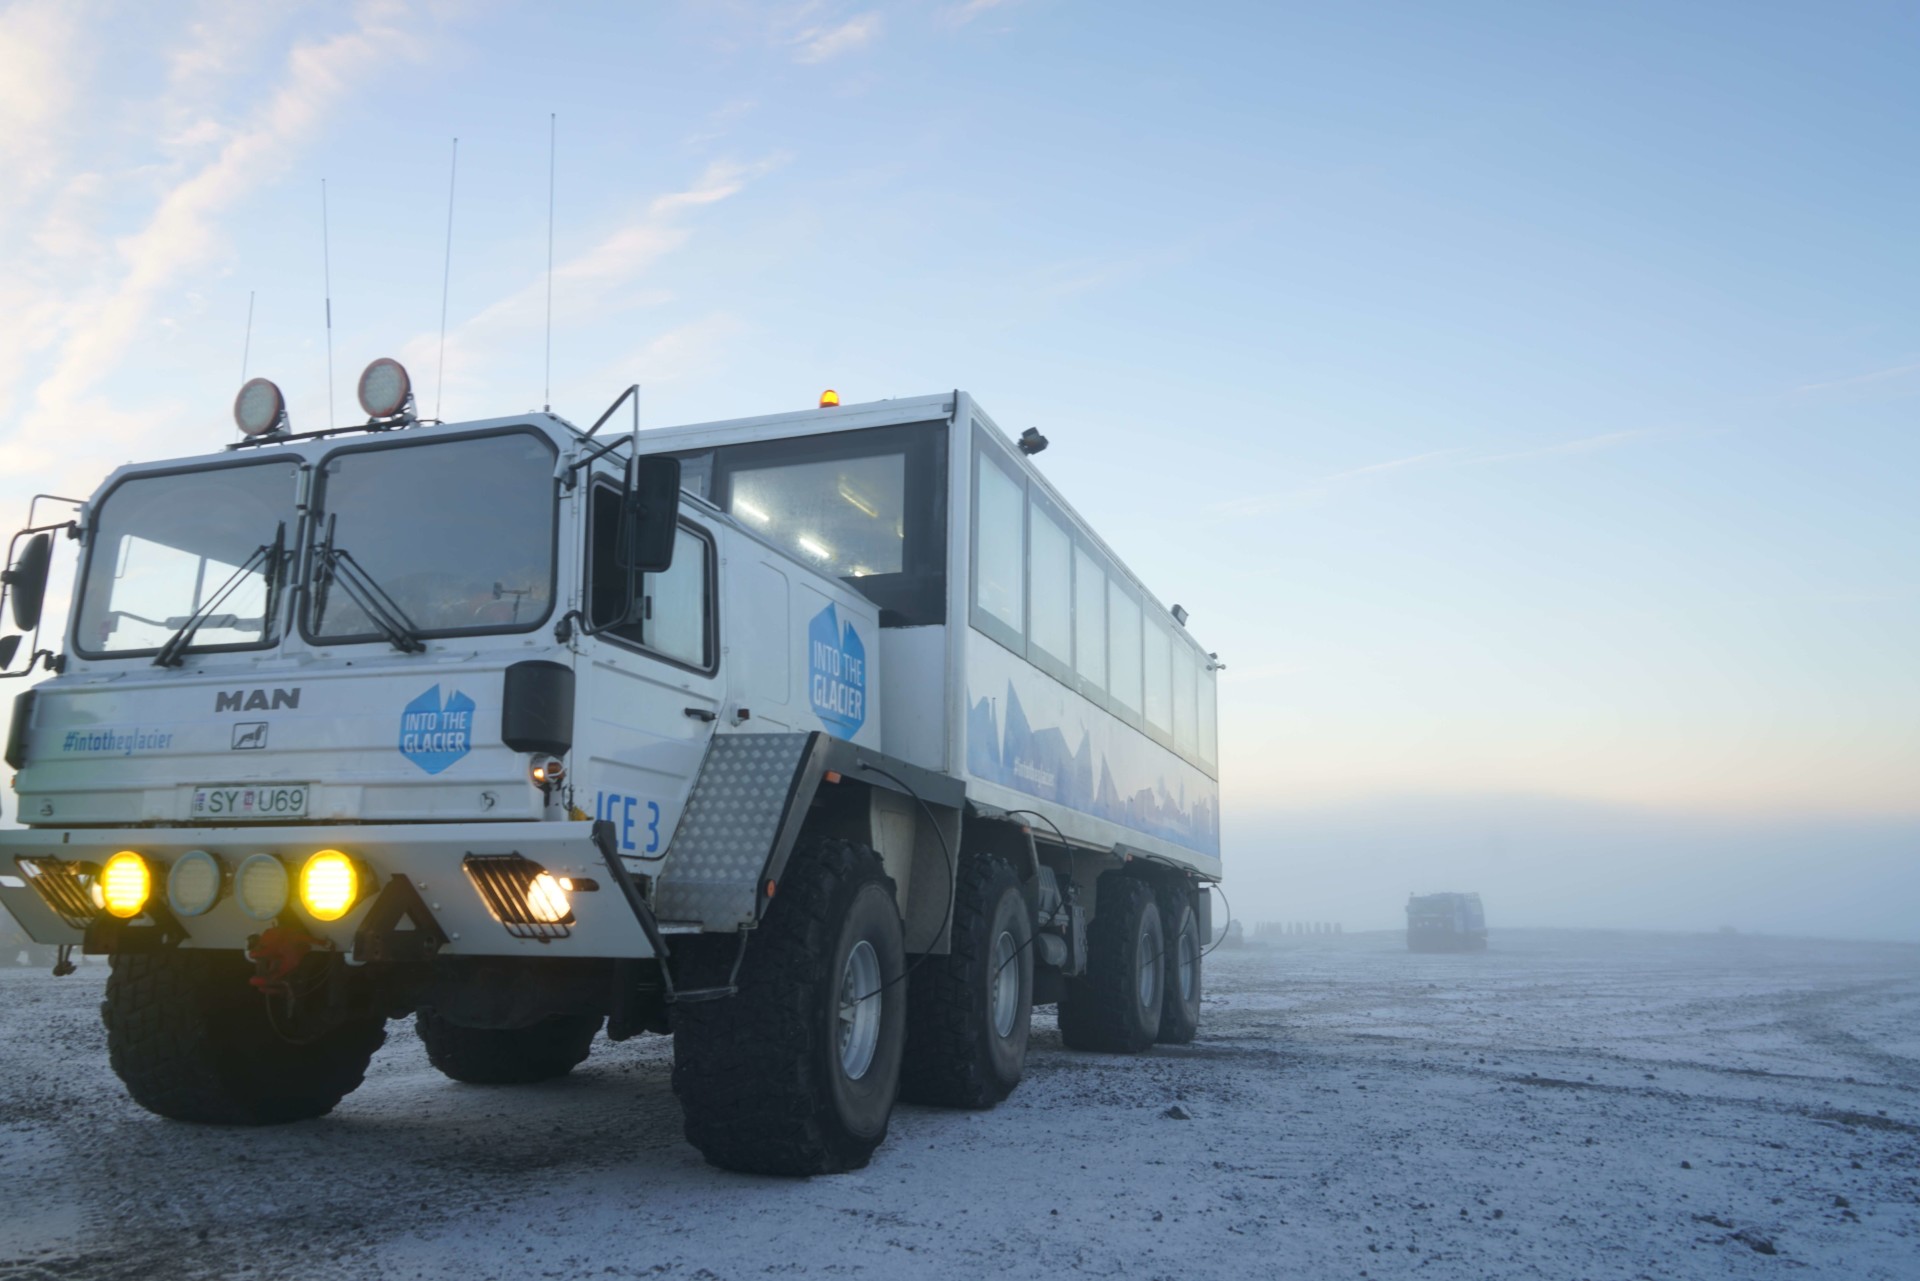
x,y
838,664
433,735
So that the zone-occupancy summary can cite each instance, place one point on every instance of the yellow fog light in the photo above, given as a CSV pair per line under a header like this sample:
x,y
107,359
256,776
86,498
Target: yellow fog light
x,y
261,886
547,901
125,883
194,882
329,885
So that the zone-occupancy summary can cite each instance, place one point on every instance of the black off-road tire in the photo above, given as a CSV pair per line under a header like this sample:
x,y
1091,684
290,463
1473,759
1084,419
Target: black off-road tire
x,y
1102,1009
193,1041
1180,1009
956,1055
759,1074
543,1051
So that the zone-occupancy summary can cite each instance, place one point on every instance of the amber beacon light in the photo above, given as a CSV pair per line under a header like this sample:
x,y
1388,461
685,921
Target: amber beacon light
x,y
829,398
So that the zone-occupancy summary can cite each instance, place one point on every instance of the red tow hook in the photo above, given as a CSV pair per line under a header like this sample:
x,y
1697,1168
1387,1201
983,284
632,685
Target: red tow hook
x,y
277,953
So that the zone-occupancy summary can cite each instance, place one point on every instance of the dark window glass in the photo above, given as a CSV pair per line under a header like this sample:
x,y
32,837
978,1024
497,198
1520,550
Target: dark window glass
x,y
867,507
677,605
164,546
459,533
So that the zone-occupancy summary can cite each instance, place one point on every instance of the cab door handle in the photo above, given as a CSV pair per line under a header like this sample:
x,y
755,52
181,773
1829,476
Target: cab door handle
x,y
701,713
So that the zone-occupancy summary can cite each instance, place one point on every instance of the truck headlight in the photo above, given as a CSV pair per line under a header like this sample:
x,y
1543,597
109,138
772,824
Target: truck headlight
x,y
194,882
330,884
261,886
546,901
125,884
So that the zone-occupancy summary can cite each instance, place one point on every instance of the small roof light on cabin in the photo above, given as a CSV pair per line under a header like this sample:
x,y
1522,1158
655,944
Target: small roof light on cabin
x,y
829,398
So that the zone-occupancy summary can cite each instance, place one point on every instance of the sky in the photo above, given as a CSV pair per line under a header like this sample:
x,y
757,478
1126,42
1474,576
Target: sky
x,y
1523,400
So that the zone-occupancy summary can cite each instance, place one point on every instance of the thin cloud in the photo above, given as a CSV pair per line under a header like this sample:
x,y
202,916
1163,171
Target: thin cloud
x,y
1879,375
1585,445
590,286
184,232
1312,491
1392,464
962,14
819,44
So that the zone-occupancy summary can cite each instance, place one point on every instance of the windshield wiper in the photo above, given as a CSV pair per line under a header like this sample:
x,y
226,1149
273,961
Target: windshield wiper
x,y
266,558
338,565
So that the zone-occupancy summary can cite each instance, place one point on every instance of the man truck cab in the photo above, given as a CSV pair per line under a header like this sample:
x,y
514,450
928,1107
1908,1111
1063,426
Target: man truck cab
x,y
829,743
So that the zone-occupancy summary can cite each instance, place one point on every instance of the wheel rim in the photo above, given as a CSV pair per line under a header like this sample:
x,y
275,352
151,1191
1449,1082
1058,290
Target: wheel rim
x,y
859,1010
1149,979
1006,984
1189,960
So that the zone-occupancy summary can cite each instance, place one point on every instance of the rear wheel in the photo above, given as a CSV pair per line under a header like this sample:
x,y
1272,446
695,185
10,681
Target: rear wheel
x,y
1180,1011
797,1072
194,1041
542,1051
1115,1006
968,1013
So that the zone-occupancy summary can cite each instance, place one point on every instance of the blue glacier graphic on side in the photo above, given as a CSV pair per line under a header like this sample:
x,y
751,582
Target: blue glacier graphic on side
x,y
433,735
837,681
1040,763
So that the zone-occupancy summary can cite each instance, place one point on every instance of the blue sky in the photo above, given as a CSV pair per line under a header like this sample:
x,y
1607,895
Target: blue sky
x,y
1523,399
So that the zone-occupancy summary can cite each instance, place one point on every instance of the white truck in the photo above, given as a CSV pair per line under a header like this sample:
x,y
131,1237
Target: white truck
x,y
829,743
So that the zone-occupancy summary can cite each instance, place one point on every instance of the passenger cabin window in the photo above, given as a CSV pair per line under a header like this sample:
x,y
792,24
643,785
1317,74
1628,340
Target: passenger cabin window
x,y
1159,676
1090,618
1050,591
1186,731
1123,623
999,546
1209,729
867,507
677,606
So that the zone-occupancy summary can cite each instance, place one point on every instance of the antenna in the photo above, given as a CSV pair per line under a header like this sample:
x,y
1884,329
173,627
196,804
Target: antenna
x,y
326,260
439,376
553,135
246,348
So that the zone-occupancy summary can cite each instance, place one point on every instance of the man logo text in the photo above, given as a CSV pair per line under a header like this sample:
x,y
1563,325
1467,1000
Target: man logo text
x,y
257,700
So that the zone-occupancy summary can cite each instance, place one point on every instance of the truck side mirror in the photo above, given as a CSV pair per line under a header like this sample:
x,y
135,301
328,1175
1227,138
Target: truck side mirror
x,y
650,513
9,646
26,582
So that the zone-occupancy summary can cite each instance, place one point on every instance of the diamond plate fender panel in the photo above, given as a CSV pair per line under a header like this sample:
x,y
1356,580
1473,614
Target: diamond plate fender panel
x,y
736,817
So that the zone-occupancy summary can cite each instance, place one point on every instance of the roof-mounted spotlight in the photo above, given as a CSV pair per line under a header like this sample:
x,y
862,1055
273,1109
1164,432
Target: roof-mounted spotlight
x,y
1179,615
260,409
386,393
1032,442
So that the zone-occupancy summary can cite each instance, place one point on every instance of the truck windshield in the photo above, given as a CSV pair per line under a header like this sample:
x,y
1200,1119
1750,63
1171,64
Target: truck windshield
x,y
456,535
162,547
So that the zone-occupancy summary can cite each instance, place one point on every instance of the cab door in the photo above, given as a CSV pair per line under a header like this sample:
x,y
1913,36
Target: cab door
x,y
650,693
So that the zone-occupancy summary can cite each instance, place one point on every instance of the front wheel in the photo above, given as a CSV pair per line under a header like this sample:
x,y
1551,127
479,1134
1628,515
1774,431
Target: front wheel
x,y
194,1041
797,1072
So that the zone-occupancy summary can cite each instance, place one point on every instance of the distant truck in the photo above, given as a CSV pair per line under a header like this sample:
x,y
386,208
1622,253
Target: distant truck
x,y
1446,923
829,743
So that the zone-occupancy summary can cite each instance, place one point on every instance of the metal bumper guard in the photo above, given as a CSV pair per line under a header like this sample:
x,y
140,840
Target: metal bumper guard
x,y
609,920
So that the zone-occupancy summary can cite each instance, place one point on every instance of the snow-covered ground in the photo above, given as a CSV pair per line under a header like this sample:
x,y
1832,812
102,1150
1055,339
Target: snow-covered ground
x,y
1565,1105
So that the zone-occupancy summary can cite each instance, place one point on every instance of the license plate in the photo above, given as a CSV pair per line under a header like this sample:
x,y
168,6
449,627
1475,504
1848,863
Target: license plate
x,y
282,800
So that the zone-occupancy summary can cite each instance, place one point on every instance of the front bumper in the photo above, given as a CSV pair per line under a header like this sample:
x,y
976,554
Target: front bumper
x,y
430,855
